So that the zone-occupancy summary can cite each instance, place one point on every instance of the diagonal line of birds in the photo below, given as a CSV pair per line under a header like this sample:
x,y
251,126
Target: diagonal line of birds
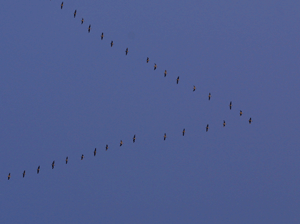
x,y
134,136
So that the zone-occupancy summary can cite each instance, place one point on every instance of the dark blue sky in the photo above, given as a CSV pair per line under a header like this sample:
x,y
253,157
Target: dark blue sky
x,y
64,91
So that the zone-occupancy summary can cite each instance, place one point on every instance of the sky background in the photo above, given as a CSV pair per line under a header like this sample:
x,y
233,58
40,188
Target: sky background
x,y
64,91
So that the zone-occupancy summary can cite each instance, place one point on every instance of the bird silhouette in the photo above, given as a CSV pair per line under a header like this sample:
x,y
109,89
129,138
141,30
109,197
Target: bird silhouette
x,y
147,59
133,139
82,156
165,136
224,123
106,147
126,52
121,143
75,13
194,88
177,79
207,127
95,151
38,170
250,120
209,96
155,66
230,105
165,74
89,29
111,43
23,173
82,20
8,177
241,113
183,132
102,35
61,5
53,164
67,159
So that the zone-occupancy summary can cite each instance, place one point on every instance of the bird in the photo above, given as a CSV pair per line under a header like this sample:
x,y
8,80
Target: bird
x,y
147,59
8,177
89,29
230,105
155,66
23,173
165,136
194,88
250,120
224,123
102,35
209,96
61,5
241,113
38,169
183,132
106,147
133,139
126,52
82,156
53,164
67,159
121,143
165,74
207,127
111,43
82,20
75,13
177,79
95,151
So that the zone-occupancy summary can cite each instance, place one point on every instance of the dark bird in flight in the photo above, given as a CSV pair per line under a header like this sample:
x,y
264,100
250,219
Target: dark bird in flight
x,y
165,74
53,164
111,43
241,113
209,96
126,52
165,136
106,147
8,177
102,35
23,173
250,120
224,123
38,170
121,143
67,159
155,66
95,151
177,80
194,88
230,105
82,20
183,132
207,127
75,13
89,29
133,139
61,5
147,59
82,156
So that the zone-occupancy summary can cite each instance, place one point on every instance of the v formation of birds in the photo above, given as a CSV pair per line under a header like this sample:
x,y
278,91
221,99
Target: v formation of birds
x,y
134,136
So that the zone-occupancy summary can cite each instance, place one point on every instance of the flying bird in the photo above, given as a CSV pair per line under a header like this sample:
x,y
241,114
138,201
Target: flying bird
x,y
82,20
224,123
95,151
23,173
89,29
8,177
126,52
61,5
209,96
75,13
38,170
165,136
155,66
183,132
194,88
250,120
67,159
177,79
111,43
121,143
106,147
102,35
147,59
207,127
241,113
230,105
53,164
133,139
165,73
82,156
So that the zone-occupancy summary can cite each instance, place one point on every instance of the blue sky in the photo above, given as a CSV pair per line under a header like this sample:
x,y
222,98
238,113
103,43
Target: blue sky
x,y
65,91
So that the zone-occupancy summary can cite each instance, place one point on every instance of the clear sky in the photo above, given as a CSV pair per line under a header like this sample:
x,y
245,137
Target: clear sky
x,y
64,92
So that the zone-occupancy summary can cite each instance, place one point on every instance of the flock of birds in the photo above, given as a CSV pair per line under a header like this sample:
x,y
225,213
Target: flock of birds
x,y
134,137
